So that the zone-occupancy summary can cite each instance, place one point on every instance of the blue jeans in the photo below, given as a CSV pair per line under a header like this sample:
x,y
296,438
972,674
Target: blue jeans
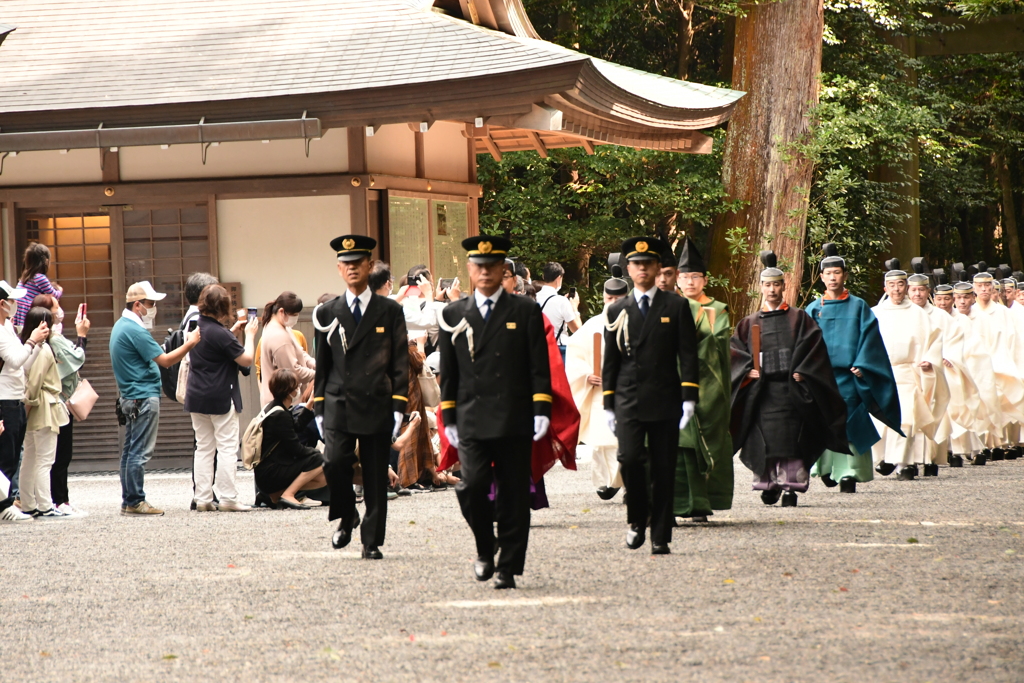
x,y
139,444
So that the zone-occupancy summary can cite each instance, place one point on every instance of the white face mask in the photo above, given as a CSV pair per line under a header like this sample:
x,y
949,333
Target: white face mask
x,y
7,307
291,321
149,317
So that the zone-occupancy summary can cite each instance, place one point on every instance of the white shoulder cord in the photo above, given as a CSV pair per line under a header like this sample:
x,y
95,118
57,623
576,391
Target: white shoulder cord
x,y
455,331
621,330
329,329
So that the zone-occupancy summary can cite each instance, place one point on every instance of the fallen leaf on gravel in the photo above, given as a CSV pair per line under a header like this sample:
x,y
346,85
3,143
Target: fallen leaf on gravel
x,y
231,566
843,589
1010,552
586,509
912,540
248,616
332,653
854,571
412,521
728,581
765,658
757,619
574,527
444,633
44,653
994,602
494,665
170,656
787,574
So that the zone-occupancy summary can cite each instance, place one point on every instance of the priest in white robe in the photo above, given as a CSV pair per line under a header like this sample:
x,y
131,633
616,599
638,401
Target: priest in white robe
x,y
967,438
914,346
583,370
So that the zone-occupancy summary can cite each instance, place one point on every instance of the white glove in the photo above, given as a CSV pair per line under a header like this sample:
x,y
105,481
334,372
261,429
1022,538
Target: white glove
x,y
688,409
452,433
540,426
609,417
319,419
398,425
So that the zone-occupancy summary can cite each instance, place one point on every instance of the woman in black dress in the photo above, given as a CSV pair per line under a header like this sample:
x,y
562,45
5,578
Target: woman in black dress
x,y
287,466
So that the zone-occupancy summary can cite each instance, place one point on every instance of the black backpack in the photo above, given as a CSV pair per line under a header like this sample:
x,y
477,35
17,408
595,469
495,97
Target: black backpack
x,y
169,376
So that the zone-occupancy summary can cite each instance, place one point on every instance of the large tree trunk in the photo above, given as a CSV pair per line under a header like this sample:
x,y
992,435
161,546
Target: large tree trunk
x,y
777,61
685,40
1011,241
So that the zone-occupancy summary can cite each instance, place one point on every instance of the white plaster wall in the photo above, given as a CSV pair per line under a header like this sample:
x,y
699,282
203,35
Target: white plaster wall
x,y
237,159
52,168
275,244
445,152
392,151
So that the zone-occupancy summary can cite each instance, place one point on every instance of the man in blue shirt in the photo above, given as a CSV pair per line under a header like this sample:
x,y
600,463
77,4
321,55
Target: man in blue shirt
x,y
135,356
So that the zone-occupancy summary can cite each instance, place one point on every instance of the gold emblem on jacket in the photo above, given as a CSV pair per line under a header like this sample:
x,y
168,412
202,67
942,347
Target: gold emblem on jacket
x,y
349,243
380,330
510,326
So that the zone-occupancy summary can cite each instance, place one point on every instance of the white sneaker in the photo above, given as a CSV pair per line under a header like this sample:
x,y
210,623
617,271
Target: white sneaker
x,y
13,514
206,507
232,506
71,511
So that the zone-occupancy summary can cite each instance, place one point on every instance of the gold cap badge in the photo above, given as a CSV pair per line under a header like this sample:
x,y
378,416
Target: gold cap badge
x,y
484,247
349,243
641,247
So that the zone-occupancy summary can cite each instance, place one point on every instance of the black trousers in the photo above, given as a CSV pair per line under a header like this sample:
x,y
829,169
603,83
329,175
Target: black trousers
x,y
59,471
13,415
339,459
510,457
657,442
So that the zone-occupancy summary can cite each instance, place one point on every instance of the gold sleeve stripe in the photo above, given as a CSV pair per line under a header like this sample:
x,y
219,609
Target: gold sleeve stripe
x,y
445,405
401,398
542,397
318,398
691,384
608,393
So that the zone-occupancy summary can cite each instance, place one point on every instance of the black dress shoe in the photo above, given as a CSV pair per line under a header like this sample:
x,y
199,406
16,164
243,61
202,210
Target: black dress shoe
x,y
288,505
998,454
908,473
980,459
848,485
635,537
771,497
483,568
263,501
372,552
956,461
931,470
607,492
504,580
789,499
828,481
885,468
660,549
1012,453
341,537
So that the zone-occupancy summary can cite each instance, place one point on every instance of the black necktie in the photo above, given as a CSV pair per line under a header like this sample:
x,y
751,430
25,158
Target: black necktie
x,y
356,312
487,313
645,305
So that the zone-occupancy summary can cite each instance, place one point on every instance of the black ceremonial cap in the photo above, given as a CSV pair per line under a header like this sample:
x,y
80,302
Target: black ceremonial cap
x,y
892,270
644,248
668,259
943,286
353,247
615,286
615,264
919,277
771,272
690,260
832,258
486,248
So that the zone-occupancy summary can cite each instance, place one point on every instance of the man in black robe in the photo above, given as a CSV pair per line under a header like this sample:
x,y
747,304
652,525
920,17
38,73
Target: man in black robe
x,y
786,406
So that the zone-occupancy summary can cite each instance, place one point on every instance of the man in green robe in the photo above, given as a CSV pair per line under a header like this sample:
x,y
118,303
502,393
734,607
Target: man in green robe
x,y
704,474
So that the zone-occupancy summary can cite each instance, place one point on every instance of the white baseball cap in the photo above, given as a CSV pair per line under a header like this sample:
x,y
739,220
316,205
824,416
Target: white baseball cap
x,y
141,291
9,292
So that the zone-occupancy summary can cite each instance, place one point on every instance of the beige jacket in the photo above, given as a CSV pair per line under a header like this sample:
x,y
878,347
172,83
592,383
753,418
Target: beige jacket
x,y
42,394
279,349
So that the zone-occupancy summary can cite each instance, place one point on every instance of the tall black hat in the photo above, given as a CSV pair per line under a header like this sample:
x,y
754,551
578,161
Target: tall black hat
x,y
918,278
942,285
771,272
892,270
615,264
832,258
690,260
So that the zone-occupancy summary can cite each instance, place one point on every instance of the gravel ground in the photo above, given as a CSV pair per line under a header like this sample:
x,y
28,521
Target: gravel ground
x,y
904,581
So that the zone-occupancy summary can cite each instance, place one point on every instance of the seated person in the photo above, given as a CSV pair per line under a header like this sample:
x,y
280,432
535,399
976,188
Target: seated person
x,y
287,466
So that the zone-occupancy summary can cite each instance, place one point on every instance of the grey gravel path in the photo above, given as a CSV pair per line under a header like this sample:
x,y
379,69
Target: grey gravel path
x,y
904,581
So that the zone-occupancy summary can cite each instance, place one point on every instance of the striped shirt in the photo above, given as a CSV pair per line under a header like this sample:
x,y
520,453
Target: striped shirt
x,y
39,284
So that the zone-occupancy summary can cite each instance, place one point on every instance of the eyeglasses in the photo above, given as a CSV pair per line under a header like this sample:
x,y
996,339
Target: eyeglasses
x,y
508,276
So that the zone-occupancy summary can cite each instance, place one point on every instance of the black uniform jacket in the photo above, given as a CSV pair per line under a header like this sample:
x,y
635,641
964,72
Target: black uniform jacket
x,y
498,391
659,372
359,390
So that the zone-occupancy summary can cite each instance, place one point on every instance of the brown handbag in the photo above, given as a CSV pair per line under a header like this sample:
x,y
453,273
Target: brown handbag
x,y
82,401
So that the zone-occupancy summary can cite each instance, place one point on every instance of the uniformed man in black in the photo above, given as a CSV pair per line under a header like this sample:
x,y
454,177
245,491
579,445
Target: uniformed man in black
x,y
360,392
650,384
495,401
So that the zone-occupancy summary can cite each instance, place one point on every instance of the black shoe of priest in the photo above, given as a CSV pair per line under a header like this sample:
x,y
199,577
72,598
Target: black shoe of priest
x,y
607,492
980,459
635,537
885,468
956,461
789,499
908,473
828,481
770,497
848,485
998,454
931,470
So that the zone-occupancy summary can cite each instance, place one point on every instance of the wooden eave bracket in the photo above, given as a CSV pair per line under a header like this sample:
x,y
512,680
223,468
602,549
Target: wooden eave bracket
x,y
492,147
538,144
